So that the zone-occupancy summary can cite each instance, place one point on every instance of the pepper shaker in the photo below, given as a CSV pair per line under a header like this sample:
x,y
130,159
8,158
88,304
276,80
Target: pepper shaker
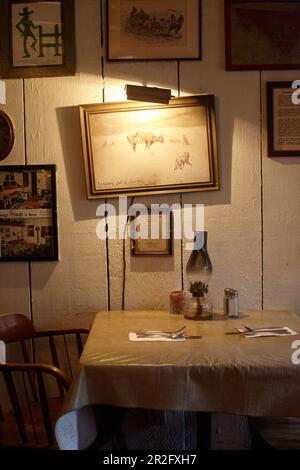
x,y
231,303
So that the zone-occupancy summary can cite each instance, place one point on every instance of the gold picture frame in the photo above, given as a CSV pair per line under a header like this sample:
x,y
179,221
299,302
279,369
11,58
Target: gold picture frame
x,y
136,148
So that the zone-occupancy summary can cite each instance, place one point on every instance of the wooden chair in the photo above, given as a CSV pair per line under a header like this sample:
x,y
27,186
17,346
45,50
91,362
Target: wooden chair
x,y
30,422
271,433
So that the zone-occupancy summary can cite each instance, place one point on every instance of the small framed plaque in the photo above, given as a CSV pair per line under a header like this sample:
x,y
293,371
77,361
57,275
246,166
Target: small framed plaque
x,y
152,234
283,121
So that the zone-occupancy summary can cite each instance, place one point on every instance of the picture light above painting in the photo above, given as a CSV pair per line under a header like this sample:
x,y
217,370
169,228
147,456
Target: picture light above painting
x,y
37,38
153,30
134,148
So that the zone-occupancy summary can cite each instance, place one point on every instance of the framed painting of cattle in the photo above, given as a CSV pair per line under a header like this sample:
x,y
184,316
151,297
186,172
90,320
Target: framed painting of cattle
x,y
152,30
134,148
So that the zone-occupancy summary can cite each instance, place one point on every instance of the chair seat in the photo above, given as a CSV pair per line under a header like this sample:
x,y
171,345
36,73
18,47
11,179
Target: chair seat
x,y
9,433
280,433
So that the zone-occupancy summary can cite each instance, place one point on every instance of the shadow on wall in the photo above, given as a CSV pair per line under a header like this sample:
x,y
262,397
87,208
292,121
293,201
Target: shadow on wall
x,y
286,161
70,134
162,74
152,264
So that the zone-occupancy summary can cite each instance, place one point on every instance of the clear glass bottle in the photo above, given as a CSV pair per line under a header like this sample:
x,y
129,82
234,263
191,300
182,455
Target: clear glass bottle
x,y
199,271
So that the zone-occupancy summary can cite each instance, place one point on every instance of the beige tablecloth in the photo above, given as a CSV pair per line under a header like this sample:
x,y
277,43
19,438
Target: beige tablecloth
x,y
221,372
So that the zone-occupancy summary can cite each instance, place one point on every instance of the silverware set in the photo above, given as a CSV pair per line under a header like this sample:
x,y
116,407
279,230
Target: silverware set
x,y
168,334
246,331
267,329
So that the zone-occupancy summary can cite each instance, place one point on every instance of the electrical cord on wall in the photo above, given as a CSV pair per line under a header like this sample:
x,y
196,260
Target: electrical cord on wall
x,y
124,257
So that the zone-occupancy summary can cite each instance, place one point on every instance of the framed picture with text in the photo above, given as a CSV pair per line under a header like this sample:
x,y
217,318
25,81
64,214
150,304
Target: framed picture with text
x,y
37,38
262,35
283,121
152,233
28,217
153,30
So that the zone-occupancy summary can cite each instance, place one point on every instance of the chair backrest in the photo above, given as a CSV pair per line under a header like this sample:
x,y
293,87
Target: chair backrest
x,y
30,422
15,327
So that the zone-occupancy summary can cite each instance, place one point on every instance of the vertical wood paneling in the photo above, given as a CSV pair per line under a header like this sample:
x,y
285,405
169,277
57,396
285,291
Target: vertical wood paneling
x,y
281,219
154,277
71,290
14,280
148,282
233,215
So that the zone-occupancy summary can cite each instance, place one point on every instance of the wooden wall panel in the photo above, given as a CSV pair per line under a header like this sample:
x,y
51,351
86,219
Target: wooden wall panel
x,y
71,290
232,215
14,277
281,212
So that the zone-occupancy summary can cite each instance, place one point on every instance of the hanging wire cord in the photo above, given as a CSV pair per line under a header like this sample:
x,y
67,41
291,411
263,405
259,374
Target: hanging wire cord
x,y
124,257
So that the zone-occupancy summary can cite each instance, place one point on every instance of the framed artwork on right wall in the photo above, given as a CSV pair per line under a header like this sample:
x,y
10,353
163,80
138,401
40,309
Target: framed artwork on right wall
x,y
262,35
283,120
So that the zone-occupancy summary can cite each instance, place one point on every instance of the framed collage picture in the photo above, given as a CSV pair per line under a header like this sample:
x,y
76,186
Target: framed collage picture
x,y
28,218
152,30
37,38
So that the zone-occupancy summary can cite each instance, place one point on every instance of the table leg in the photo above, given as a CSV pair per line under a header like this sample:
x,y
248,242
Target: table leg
x,y
203,431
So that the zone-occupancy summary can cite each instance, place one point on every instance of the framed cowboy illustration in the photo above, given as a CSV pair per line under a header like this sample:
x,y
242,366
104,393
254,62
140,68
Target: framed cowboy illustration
x,y
153,30
37,38
134,148
28,220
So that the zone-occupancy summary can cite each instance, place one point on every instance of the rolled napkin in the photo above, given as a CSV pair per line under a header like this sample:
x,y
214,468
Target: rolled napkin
x,y
151,337
264,332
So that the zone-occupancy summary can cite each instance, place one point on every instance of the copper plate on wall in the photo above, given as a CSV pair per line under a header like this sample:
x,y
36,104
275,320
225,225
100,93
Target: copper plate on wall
x,y
7,135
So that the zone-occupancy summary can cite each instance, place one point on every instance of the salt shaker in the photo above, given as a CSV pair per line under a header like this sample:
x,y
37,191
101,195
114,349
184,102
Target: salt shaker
x,y
231,303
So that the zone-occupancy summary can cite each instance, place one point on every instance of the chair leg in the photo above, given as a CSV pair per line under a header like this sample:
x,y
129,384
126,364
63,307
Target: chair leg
x,y
203,431
257,441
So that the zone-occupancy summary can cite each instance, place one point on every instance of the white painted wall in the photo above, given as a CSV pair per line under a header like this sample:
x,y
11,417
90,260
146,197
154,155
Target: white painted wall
x,y
71,290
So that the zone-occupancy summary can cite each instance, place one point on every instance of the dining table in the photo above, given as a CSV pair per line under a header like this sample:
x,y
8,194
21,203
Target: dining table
x,y
215,369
